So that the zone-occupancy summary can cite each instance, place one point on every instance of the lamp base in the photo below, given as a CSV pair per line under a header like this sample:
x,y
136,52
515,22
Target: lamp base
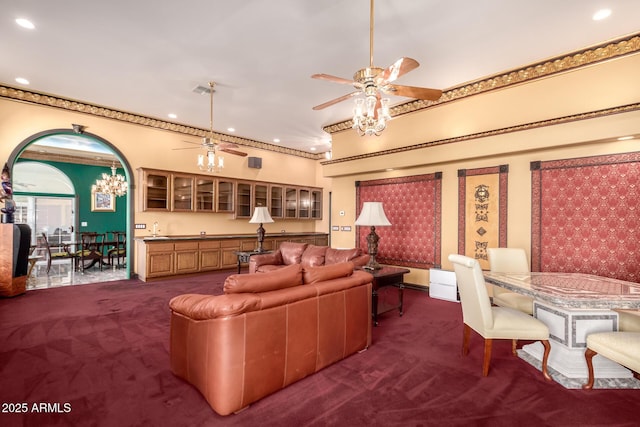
x,y
260,232
372,264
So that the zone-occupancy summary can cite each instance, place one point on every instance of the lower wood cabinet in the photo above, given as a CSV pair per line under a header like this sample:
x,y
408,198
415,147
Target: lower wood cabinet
x,y
159,260
209,255
173,257
187,257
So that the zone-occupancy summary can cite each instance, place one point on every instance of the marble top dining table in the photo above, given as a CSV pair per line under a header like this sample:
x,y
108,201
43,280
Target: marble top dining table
x,y
570,290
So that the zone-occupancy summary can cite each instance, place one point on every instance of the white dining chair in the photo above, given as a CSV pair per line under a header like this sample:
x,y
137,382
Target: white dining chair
x,y
510,260
628,320
621,347
493,322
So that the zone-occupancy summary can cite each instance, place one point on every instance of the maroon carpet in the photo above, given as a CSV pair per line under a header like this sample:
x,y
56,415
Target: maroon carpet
x,y
97,355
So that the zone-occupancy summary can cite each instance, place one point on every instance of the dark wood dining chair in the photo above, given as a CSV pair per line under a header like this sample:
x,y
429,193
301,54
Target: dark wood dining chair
x,y
118,249
89,250
60,252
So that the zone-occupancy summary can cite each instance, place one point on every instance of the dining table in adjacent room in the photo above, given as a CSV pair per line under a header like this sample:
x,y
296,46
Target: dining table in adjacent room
x,y
573,305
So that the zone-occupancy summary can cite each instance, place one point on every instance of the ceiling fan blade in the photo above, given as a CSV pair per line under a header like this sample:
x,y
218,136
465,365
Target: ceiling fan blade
x,y
332,79
186,148
335,101
234,152
413,92
400,67
222,145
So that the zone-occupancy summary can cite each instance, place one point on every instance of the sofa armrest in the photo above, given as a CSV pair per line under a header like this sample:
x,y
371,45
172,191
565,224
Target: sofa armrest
x,y
274,258
361,260
205,307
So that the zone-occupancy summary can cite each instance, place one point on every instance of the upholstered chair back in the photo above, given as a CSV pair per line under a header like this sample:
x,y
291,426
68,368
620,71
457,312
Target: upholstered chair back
x,y
508,260
476,306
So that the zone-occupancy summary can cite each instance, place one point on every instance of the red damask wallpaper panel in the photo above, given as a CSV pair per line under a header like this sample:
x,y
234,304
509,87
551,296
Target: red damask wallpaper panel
x,y
413,205
585,216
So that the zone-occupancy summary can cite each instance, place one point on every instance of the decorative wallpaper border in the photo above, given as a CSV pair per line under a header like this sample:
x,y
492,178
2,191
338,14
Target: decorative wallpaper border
x,y
560,64
32,97
526,126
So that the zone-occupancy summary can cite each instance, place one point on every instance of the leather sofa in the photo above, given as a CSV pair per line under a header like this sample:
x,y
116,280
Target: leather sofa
x,y
307,255
268,331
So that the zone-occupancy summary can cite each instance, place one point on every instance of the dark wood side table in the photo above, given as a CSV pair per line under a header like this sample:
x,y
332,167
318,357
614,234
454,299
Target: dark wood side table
x,y
244,256
386,276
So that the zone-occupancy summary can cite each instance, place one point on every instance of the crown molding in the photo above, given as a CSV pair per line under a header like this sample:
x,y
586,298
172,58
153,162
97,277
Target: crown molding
x,y
620,47
40,98
494,132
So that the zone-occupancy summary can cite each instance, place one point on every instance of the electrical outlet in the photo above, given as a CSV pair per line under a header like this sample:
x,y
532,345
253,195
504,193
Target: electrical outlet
x,y
83,224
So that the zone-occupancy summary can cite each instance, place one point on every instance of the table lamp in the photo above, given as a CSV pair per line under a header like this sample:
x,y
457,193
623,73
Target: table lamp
x,y
261,216
372,214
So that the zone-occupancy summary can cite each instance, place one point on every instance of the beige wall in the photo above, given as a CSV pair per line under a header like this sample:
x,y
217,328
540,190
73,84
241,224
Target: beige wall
x,y
606,85
153,148
603,86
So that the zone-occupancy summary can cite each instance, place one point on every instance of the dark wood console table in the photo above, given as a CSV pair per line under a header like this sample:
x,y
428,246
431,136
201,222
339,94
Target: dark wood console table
x,y
244,256
386,276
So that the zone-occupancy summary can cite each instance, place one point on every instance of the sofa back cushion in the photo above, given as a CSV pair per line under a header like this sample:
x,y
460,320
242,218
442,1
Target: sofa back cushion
x,y
327,272
334,256
285,277
313,256
292,252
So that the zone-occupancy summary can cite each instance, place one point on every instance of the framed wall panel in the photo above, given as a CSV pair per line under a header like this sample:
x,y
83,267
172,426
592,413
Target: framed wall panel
x,y
413,205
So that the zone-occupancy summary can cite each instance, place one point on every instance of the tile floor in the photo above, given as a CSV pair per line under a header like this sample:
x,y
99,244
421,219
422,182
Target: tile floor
x,y
62,274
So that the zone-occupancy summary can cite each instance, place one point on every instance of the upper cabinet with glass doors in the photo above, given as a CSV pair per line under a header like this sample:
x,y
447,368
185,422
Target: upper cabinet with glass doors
x,y
155,190
205,194
184,192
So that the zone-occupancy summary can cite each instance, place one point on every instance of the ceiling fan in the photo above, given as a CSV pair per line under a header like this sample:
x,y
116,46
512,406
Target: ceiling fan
x,y
208,142
372,80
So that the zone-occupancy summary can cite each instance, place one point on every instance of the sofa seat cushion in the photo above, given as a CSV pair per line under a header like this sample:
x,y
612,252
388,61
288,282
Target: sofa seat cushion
x,y
292,252
334,256
285,277
313,256
327,272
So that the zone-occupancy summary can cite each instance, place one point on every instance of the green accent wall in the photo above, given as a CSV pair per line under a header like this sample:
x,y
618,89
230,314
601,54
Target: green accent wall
x,y
83,177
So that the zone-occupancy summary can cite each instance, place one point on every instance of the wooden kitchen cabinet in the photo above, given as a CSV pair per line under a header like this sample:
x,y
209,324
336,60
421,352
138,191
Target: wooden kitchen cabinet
x,y
182,191
155,190
205,191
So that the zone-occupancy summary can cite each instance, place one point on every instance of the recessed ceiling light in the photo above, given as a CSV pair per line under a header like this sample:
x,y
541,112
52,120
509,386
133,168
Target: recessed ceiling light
x,y
601,14
231,129
276,140
22,80
173,116
625,138
313,148
25,23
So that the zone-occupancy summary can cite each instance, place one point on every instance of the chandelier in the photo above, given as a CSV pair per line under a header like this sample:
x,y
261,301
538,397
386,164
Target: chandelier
x,y
371,113
367,120
111,184
215,162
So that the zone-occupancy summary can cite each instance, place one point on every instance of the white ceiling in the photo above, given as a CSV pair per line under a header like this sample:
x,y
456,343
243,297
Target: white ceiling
x,y
146,56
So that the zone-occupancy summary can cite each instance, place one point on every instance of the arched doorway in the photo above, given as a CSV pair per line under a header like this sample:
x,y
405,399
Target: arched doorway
x,y
48,158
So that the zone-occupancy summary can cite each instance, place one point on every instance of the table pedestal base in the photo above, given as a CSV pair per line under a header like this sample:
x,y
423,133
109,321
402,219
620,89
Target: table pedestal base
x,y
571,363
568,330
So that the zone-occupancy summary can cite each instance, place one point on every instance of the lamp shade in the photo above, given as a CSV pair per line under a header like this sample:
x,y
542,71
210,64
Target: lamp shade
x,y
261,216
372,214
